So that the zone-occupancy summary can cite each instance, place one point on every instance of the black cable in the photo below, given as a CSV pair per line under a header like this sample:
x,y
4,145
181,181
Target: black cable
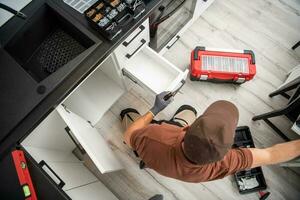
x,y
13,11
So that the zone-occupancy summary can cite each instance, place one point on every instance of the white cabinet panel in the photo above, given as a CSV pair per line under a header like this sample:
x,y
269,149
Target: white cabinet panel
x,y
91,140
93,191
50,155
94,97
50,134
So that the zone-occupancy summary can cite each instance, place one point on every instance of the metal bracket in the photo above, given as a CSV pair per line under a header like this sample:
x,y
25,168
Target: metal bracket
x,y
125,73
65,107
203,77
69,132
240,80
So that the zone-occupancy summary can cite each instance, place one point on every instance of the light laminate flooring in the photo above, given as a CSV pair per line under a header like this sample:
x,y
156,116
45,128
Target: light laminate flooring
x,y
269,28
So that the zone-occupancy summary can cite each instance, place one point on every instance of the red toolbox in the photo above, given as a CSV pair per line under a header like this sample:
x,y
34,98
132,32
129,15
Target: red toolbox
x,y
216,65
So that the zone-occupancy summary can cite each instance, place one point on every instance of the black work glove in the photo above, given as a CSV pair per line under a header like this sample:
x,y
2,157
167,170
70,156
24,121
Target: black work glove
x,y
160,103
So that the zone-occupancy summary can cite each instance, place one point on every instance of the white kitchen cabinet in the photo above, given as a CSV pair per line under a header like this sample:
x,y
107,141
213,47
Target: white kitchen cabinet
x,y
46,143
91,140
82,109
97,93
63,130
152,71
142,65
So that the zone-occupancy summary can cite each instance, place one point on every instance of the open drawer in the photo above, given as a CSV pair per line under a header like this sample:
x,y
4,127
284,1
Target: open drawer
x,y
149,69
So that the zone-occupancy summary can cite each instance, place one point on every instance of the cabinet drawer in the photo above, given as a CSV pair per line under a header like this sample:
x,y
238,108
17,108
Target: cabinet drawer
x,y
142,32
133,42
148,69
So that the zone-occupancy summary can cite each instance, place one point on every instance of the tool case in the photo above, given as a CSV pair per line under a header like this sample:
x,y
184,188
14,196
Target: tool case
x,y
243,138
110,17
221,65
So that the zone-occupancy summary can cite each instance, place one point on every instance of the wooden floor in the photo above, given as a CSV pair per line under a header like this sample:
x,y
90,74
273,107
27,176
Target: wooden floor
x,y
270,28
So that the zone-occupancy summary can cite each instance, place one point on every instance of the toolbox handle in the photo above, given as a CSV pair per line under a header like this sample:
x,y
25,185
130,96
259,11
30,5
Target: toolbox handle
x,y
196,50
43,163
143,41
127,18
141,30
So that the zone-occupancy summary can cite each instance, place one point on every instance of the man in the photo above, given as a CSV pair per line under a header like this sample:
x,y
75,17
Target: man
x,y
196,149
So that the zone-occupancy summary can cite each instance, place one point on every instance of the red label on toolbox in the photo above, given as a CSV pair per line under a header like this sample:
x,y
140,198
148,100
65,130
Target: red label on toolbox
x,y
23,175
222,66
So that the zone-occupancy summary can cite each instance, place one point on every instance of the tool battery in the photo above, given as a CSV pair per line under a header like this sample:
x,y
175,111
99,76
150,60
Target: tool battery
x,y
222,65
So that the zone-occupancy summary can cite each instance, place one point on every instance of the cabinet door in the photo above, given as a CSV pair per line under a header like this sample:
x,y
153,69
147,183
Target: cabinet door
x,y
180,22
177,13
91,140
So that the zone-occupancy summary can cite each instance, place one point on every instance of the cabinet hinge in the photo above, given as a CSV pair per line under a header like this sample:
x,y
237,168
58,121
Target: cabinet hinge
x,y
90,123
65,107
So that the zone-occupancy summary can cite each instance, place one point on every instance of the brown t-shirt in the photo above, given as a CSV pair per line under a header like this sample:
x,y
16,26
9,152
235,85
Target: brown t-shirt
x,y
159,146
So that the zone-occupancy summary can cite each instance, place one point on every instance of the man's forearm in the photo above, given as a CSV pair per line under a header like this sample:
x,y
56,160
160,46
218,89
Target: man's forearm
x,y
276,154
141,122
284,152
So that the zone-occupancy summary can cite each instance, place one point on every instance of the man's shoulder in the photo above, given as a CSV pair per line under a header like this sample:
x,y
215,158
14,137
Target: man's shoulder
x,y
163,133
160,131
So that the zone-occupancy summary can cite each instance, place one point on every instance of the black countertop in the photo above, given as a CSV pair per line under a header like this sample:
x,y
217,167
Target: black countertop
x,y
22,108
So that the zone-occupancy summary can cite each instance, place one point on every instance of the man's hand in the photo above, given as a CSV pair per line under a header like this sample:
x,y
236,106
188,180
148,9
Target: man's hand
x,y
160,103
146,119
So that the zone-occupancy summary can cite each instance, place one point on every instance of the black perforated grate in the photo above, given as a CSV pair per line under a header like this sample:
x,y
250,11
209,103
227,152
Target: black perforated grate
x,y
58,49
